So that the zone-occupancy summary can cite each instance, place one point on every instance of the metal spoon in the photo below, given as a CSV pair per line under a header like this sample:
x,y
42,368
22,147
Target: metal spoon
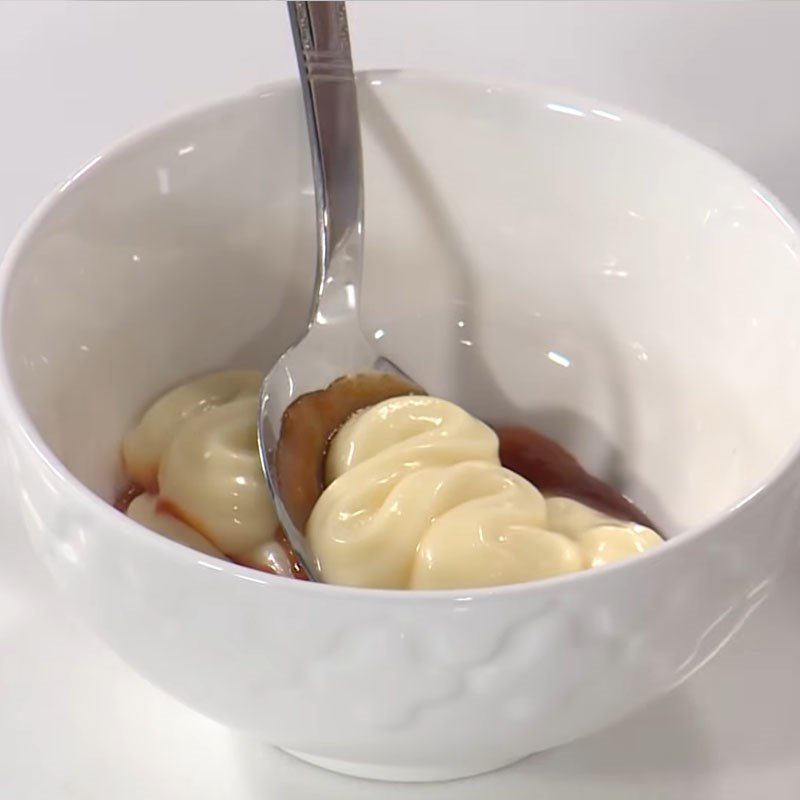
x,y
334,344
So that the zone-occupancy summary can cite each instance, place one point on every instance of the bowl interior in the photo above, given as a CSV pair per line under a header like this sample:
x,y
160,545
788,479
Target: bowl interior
x,y
536,257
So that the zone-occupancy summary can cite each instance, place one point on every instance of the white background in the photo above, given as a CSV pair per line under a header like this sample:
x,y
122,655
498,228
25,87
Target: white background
x,y
75,722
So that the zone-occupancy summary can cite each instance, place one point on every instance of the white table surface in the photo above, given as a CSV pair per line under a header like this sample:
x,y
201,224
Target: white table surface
x,y
75,722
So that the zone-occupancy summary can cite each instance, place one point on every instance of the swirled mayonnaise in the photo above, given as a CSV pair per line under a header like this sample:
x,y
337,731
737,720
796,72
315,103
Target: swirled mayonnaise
x,y
416,498
195,452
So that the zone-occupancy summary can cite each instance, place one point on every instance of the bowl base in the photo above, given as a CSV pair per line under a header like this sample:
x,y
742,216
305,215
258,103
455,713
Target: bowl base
x,y
404,774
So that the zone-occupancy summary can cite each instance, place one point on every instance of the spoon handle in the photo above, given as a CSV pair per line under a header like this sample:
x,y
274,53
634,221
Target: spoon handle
x,y
322,46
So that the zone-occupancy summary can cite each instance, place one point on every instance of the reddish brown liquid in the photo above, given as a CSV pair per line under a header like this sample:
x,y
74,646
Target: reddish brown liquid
x,y
554,471
128,495
133,490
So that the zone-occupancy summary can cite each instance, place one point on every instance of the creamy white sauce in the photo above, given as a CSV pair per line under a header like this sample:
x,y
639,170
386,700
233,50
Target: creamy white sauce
x,y
417,498
196,452
415,495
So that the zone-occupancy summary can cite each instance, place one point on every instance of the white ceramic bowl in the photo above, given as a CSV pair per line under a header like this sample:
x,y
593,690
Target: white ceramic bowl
x,y
536,256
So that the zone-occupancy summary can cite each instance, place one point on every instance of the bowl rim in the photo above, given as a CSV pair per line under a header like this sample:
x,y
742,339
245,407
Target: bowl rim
x,y
22,426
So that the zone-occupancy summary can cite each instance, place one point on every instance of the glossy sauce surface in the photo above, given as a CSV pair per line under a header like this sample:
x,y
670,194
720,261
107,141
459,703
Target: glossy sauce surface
x,y
310,426
556,472
416,497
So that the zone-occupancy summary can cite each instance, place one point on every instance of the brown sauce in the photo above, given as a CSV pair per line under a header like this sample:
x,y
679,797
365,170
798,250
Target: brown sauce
x,y
127,496
133,490
555,472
